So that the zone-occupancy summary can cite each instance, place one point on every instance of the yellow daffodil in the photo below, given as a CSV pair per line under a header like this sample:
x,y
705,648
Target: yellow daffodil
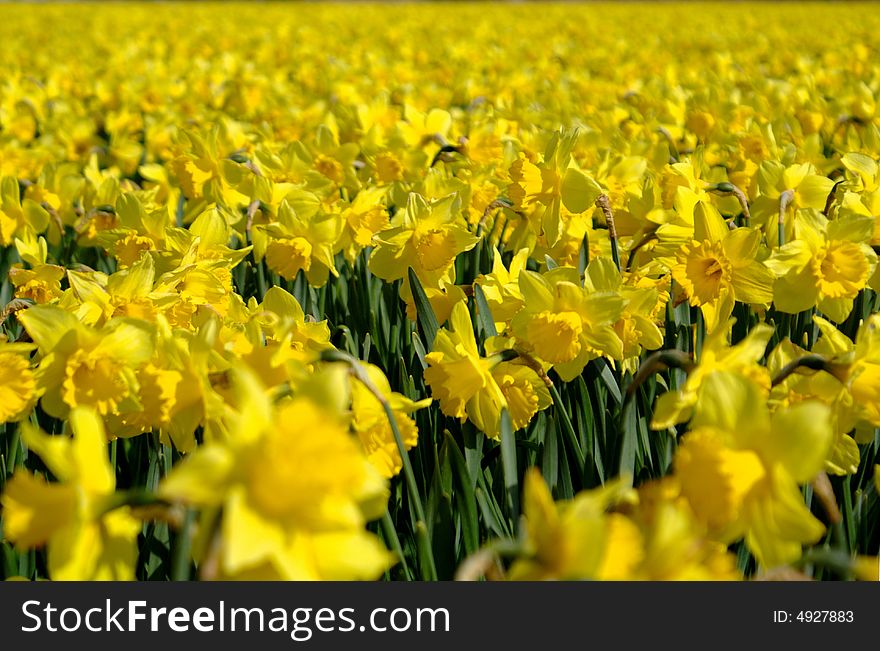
x,y
577,539
82,366
18,384
17,216
460,379
825,267
636,327
370,421
425,237
740,467
363,219
541,189
808,191
586,538
304,243
88,535
717,355
564,324
295,492
501,288
721,266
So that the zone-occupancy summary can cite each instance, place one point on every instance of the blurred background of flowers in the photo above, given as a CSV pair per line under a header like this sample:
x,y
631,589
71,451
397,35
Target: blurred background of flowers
x,y
439,291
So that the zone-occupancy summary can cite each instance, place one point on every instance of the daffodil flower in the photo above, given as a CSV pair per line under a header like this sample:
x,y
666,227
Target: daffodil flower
x,y
425,236
864,198
611,534
501,288
740,468
294,488
541,189
88,535
370,421
825,267
18,384
83,366
827,387
17,216
717,355
637,325
565,324
363,219
469,386
808,189
721,266
577,539
203,171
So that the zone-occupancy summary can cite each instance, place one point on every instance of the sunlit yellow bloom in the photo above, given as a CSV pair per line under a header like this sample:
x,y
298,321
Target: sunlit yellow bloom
x,y
501,287
18,385
717,355
418,129
830,388
40,284
585,538
283,324
425,237
460,379
442,299
371,423
564,324
740,467
363,219
82,366
88,536
17,216
302,242
542,189
721,266
636,326
570,540
203,171
294,488
525,393
826,266
809,191
677,544
864,199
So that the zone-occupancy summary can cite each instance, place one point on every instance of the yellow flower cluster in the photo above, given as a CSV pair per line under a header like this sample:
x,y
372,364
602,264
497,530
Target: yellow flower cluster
x,y
288,247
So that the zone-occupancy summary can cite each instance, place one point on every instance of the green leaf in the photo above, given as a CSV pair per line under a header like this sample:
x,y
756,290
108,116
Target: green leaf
x,y
608,378
425,313
489,517
484,314
628,440
473,450
508,464
420,350
550,454
465,495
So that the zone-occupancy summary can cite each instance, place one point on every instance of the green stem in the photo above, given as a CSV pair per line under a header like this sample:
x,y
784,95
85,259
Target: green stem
x,y
409,474
261,279
12,450
180,560
390,533
412,487
570,434
509,465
